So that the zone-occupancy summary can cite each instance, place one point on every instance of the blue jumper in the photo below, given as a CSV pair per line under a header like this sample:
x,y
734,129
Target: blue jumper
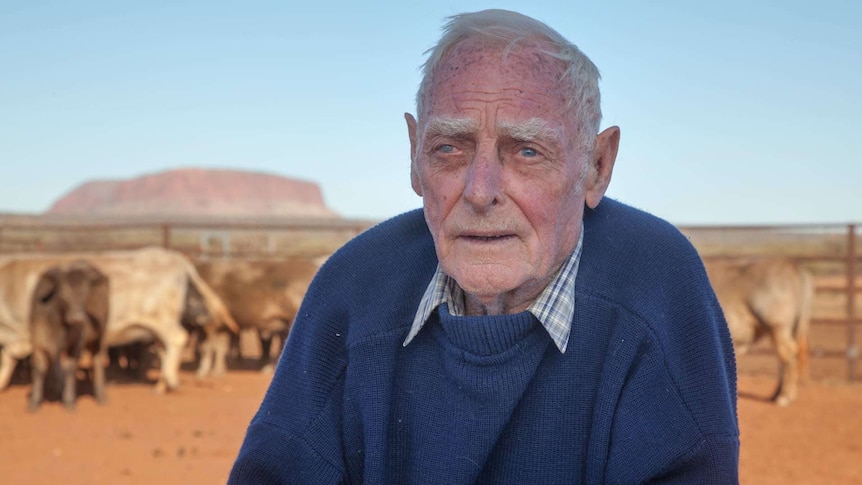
x,y
645,392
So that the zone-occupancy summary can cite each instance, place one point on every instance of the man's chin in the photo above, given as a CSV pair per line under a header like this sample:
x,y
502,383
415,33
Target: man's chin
x,y
485,286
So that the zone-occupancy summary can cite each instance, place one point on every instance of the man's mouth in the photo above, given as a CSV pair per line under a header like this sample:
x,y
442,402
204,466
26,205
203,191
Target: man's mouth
x,y
488,238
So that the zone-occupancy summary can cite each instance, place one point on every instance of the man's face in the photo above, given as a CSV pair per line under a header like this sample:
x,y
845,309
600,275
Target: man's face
x,y
496,160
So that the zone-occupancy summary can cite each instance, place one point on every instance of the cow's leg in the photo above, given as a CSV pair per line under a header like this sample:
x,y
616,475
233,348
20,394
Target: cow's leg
x,y
214,350
234,349
172,354
38,369
266,350
205,358
802,358
787,350
68,369
10,354
100,360
220,347
122,360
193,350
7,367
139,359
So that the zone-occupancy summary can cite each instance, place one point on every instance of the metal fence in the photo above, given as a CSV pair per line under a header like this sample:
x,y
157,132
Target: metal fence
x,y
831,252
197,237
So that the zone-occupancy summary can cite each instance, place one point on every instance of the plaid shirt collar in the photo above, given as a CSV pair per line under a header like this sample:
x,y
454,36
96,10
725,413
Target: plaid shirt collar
x,y
555,307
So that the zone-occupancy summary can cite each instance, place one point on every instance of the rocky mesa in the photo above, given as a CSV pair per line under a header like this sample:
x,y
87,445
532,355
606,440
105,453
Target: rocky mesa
x,y
196,192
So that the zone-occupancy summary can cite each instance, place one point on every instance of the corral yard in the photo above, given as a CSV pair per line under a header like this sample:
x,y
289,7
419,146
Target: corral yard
x,y
192,436
817,440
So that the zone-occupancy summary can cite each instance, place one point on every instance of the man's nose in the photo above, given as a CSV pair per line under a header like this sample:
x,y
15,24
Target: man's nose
x,y
483,188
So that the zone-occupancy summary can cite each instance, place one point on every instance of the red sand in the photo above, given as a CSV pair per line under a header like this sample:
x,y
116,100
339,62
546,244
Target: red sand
x,y
192,436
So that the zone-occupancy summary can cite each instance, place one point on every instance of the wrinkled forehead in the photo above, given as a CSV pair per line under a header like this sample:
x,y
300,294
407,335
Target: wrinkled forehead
x,y
522,69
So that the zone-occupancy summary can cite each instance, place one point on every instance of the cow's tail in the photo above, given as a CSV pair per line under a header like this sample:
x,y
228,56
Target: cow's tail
x,y
803,322
215,305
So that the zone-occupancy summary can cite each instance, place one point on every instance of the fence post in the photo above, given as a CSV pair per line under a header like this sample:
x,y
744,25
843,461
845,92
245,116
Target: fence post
x,y
852,348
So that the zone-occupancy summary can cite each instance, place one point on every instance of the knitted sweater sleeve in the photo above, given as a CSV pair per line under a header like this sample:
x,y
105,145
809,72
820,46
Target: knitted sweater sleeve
x,y
295,437
671,376
673,422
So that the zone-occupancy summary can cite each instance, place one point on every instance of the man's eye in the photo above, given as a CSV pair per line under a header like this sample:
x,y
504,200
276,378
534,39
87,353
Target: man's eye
x,y
446,149
528,152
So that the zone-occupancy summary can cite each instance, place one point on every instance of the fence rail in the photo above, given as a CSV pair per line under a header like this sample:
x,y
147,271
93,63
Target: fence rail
x,y
831,252
196,237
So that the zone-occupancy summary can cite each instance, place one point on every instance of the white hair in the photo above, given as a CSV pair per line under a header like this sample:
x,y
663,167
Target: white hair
x,y
580,79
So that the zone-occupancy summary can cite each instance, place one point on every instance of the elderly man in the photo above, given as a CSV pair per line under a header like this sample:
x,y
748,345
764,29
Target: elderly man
x,y
520,329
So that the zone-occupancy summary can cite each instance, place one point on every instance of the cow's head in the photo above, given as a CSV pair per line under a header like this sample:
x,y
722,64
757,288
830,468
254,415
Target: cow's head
x,y
73,295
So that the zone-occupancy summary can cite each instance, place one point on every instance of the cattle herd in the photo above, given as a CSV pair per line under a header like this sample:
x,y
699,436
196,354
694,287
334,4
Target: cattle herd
x,y
108,308
111,306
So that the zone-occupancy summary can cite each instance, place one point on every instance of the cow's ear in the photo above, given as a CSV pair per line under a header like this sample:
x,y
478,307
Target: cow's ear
x,y
95,276
46,287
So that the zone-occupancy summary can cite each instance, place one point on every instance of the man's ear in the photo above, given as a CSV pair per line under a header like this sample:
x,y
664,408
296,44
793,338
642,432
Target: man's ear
x,y
414,146
602,165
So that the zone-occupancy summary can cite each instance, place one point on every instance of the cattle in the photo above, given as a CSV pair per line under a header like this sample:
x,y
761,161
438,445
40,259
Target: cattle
x,y
132,361
263,295
69,314
147,298
208,342
768,297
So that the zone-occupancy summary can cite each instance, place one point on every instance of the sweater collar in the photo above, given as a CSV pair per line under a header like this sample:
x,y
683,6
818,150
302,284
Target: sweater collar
x,y
554,308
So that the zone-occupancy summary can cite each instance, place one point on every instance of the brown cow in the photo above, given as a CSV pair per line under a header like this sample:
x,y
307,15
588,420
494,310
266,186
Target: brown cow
x,y
768,297
261,294
69,314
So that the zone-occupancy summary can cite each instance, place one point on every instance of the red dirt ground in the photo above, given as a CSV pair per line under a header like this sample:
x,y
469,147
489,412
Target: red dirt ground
x,y
192,436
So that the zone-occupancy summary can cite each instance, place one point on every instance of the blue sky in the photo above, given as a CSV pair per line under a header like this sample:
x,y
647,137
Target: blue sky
x,y
732,112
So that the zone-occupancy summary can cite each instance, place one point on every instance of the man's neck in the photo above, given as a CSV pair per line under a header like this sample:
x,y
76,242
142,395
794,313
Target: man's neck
x,y
515,301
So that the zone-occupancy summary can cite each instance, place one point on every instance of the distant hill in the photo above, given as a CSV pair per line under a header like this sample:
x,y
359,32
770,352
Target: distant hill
x,y
196,192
